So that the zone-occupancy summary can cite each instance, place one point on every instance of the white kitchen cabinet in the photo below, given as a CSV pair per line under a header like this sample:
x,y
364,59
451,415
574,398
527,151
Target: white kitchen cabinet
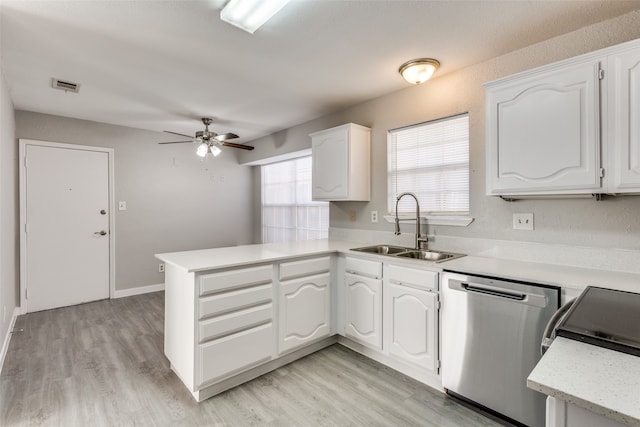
x,y
305,303
544,127
363,302
341,166
563,414
410,320
624,123
543,131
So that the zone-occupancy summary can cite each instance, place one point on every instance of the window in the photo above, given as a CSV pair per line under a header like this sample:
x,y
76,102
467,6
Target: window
x,y
288,213
430,160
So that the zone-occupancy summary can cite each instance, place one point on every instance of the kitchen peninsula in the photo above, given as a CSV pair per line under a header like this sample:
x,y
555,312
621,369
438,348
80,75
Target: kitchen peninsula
x,y
233,314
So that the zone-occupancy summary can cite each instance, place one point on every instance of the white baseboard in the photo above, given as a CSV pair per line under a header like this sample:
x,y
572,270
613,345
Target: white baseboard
x,y
137,291
7,338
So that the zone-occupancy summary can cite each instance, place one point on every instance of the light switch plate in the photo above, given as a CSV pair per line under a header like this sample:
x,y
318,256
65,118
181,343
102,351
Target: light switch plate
x,y
523,221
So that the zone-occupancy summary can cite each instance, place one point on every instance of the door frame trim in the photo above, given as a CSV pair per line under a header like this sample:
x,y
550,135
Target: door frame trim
x,y
23,143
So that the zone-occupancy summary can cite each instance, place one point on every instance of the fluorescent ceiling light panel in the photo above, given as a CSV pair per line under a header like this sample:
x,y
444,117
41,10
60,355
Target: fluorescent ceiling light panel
x,y
250,15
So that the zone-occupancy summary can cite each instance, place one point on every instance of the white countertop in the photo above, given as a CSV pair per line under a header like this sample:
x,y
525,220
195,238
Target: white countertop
x,y
546,274
603,381
234,256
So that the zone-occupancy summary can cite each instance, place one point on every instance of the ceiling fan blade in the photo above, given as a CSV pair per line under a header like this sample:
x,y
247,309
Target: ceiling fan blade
x,y
241,146
225,136
175,142
179,134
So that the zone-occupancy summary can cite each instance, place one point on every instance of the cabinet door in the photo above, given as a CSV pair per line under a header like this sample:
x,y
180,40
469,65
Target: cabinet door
x,y
543,133
411,325
363,317
330,173
624,122
305,311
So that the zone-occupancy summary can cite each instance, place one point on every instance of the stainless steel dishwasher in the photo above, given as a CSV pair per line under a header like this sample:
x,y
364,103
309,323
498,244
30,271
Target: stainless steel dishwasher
x,y
491,332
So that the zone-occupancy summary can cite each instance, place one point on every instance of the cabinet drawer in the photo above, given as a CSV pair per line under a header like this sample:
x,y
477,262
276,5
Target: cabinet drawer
x,y
234,300
413,277
230,279
234,322
363,267
306,267
232,354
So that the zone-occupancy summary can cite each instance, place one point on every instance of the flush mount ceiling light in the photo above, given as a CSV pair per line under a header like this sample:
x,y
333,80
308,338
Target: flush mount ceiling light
x,y
250,15
418,71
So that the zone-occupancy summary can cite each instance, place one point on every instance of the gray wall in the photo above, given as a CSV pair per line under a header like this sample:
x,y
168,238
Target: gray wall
x,y
175,201
613,222
8,212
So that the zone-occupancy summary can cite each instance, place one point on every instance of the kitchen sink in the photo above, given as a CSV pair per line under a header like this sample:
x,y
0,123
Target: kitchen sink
x,y
428,255
382,249
402,252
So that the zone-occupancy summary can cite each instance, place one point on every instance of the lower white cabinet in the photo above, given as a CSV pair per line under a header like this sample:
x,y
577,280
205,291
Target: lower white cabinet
x,y
305,311
411,325
229,325
563,414
363,316
234,353
410,310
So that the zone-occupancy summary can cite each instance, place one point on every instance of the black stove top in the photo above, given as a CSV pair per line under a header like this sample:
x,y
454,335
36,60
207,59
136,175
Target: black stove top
x,y
606,318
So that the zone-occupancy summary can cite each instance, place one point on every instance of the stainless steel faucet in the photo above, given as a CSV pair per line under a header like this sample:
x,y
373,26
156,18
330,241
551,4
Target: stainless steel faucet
x,y
421,241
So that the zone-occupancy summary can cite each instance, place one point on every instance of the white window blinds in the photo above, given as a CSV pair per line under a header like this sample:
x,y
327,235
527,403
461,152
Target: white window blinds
x,y
431,160
288,213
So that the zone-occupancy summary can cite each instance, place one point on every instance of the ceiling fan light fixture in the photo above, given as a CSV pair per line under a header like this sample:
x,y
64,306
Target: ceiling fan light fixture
x,y
418,71
202,149
249,15
215,150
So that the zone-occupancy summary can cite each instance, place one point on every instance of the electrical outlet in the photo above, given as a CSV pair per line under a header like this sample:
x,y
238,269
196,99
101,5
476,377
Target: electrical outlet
x,y
523,221
352,215
374,216
161,268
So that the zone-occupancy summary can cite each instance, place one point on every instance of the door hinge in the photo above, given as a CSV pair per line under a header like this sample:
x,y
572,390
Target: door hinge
x,y
26,227
438,364
438,305
25,161
26,293
601,172
601,74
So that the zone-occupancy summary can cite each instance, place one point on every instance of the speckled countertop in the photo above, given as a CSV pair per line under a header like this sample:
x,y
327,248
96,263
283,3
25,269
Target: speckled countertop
x,y
602,381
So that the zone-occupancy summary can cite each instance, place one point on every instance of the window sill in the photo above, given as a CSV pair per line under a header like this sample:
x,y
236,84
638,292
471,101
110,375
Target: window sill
x,y
453,220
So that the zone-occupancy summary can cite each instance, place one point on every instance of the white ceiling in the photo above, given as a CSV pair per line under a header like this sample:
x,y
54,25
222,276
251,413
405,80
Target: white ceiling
x,y
160,65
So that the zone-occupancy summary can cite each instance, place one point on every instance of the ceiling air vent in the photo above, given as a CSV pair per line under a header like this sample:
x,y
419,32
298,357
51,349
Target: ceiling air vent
x,y
65,85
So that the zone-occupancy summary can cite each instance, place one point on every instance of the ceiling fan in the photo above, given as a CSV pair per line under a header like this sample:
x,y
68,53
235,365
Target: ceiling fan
x,y
208,140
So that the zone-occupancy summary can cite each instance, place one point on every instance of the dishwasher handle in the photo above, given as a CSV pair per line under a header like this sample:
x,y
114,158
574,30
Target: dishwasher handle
x,y
494,291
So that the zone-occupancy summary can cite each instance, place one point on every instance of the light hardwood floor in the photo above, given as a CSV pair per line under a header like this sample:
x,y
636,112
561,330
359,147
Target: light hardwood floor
x,y
102,364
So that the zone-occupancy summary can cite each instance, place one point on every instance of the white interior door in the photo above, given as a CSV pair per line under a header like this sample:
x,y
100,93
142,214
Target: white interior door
x,y
66,202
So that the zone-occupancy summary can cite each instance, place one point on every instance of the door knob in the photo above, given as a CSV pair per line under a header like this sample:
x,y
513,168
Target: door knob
x,y
101,232
103,212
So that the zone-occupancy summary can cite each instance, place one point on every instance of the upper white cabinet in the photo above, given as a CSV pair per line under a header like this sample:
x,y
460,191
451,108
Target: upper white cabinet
x,y
567,128
543,132
342,163
624,124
